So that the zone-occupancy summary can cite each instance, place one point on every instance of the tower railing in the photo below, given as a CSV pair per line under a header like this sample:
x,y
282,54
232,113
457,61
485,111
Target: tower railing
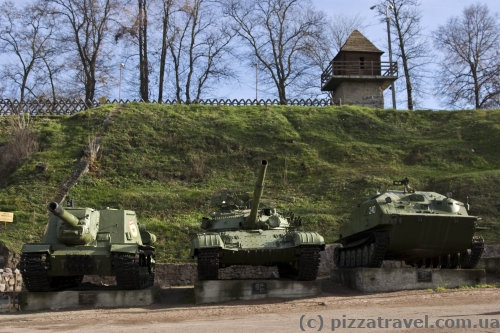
x,y
359,68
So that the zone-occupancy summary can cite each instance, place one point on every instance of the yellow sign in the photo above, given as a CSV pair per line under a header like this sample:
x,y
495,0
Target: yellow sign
x,y
102,100
6,217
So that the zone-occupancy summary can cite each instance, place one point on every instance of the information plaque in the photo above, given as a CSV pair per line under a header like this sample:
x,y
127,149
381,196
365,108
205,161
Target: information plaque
x,y
259,288
424,276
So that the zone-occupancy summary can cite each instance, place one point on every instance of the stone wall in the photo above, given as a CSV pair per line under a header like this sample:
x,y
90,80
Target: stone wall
x,y
10,280
490,265
186,274
326,261
362,93
8,258
491,251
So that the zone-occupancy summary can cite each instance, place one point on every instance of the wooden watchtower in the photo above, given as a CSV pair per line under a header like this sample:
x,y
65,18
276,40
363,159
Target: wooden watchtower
x,y
357,76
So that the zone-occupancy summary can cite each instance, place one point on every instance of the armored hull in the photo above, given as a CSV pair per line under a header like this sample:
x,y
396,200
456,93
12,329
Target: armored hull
x,y
424,229
295,253
260,237
84,241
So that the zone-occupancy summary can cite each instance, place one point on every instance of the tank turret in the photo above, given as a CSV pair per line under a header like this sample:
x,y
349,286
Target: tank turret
x,y
239,233
251,220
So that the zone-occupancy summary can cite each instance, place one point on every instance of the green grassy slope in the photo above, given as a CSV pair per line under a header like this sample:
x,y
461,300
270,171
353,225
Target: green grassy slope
x,y
166,161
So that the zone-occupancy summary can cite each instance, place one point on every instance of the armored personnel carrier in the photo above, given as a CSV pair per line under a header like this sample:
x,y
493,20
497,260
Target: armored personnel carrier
x,y
236,235
85,241
424,229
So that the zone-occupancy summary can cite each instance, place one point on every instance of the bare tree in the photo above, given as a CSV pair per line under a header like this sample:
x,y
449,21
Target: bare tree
x,y
278,33
88,24
198,41
470,65
320,52
341,27
137,32
134,32
412,48
50,75
167,8
25,35
142,25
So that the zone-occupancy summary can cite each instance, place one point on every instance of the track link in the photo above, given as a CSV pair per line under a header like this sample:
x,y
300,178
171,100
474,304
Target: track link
x,y
381,243
134,271
377,242
476,251
308,264
33,267
305,268
208,264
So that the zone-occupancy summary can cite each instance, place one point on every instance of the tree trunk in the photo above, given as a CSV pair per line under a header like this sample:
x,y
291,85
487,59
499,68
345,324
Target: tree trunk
x,y
476,85
163,55
404,58
89,88
143,51
409,87
191,50
282,93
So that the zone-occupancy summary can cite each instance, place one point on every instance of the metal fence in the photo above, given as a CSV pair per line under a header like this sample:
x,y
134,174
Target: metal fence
x,y
70,107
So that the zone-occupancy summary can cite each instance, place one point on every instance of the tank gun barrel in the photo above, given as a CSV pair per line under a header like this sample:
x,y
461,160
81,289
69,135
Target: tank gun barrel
x,y
58,210
257,194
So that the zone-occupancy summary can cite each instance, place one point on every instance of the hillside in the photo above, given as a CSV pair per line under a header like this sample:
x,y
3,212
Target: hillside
x,y
165,161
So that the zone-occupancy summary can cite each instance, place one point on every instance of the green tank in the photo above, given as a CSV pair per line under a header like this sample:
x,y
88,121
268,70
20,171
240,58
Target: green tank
x,y
85,241
424,229
237,235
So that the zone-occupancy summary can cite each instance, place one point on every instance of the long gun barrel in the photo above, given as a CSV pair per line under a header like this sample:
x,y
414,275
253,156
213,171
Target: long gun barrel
x,y
58,210
257,194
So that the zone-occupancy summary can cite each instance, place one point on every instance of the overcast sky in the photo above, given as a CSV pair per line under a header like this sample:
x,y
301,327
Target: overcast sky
x,y
434,13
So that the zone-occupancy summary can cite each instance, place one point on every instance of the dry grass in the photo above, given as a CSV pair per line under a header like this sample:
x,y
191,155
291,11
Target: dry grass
x,y
92,151
22,143
198,167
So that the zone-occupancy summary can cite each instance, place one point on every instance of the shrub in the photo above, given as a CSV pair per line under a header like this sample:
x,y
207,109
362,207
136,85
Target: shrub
x,y
22,143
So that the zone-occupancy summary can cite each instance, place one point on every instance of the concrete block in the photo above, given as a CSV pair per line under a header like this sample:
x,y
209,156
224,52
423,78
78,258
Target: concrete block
x,y
4,304
373,280
216,291
86,299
